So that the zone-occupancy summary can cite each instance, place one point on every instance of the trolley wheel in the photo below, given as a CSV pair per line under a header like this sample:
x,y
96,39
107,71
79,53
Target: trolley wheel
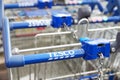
x,y
84,12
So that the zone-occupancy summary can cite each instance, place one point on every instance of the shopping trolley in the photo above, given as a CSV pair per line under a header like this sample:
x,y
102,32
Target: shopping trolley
x,y
61,37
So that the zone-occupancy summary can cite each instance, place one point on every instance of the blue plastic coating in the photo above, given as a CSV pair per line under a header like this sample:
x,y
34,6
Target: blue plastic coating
x,y
22,25
16,5
10,60
89,77
59,21
42,5
94,47
19,25
53,56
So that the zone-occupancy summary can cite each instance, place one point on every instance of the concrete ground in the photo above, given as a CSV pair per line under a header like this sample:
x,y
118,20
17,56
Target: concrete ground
x,y
3,69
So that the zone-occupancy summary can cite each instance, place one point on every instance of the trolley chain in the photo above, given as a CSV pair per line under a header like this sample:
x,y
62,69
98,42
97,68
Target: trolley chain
x,y
100,67
73,31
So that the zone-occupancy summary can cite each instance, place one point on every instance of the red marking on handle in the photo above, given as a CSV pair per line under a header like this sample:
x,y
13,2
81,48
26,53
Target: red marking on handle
x,y
40,28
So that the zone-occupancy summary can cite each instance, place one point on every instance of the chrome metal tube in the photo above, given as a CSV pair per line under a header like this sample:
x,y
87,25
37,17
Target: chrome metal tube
x,y
55,33
77,74
103,29
49,47
53,47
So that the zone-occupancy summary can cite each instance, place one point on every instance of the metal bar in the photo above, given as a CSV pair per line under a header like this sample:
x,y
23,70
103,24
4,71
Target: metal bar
x,y
110,75
84,73
49,47
77,74
56,33
103,29
53,47
10,75
19,5
1,13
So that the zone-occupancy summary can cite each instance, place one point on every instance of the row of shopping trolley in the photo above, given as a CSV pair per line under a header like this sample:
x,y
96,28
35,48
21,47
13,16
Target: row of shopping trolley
x,y
65,49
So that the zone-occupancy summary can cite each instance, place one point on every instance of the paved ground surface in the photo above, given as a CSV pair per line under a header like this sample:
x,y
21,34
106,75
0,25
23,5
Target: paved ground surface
x,y
3,70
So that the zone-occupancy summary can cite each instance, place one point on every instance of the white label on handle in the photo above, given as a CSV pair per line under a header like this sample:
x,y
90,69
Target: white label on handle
x,y
25,4
33,23
61,55
46,0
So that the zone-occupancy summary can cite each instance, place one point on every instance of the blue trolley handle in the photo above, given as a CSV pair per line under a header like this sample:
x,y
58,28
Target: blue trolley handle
x,y
21,60
17,5
92,3
22,25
